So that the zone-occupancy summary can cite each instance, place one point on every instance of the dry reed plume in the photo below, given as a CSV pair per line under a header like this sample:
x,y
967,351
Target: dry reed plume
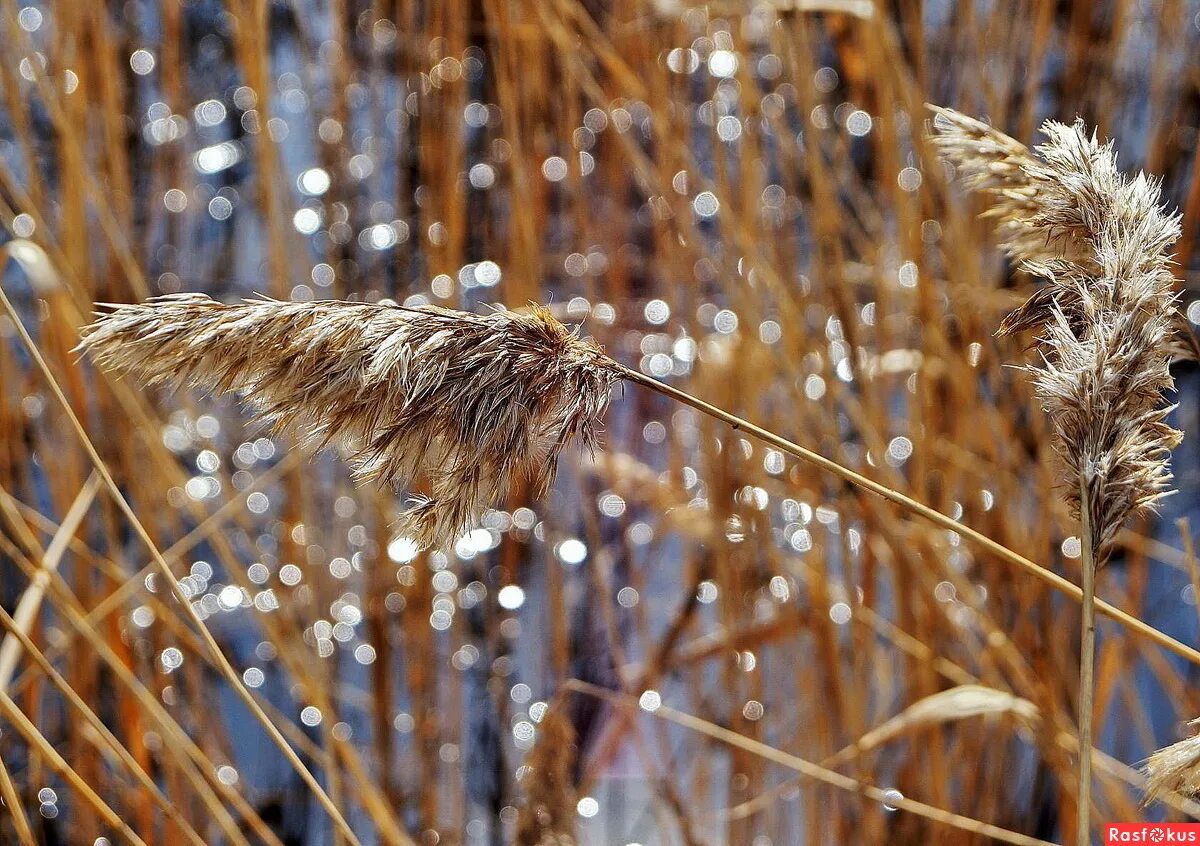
x,y
1107,319
1107,315
1174,769
471,404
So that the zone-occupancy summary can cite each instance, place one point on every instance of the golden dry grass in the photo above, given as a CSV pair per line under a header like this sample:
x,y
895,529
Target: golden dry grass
x,y
737,199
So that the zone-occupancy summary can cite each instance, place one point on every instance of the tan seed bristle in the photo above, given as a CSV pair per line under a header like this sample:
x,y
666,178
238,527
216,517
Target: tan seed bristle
x,y
1174,769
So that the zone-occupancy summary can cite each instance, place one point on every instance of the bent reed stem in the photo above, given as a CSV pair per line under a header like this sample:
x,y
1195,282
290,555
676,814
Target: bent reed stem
x,y
1059,583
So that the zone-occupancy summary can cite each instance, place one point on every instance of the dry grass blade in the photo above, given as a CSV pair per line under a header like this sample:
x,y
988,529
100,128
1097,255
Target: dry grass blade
x,y
811,770
957,703
164,570
34,261
16,811
198,768
18,636
474,404
25,727
31,600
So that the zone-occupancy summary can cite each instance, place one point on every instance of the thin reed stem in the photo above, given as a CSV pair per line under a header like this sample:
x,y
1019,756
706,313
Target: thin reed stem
x,y
23,726
222,663
810,770
15,810
1002,552
196,765
102,732
31,600
1087,668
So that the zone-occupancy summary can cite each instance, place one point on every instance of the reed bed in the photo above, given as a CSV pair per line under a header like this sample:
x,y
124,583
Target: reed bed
x,y
810,576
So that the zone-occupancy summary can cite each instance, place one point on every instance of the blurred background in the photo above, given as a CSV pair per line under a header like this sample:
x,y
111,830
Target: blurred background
x,y
735,197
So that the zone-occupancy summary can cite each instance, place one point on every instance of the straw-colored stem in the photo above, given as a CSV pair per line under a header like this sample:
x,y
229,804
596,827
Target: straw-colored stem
x,y
102,732
1087,666
23,726
911,505
15,810
810,770
197,767
31,600
222,663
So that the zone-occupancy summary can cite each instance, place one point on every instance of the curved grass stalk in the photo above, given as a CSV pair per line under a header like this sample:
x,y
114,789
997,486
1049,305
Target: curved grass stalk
x,y
31,600
22,641
1087,671
23,726
980,540
811,770
15,810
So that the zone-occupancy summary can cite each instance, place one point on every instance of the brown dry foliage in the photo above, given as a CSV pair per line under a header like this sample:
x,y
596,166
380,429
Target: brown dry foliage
x,y
865,292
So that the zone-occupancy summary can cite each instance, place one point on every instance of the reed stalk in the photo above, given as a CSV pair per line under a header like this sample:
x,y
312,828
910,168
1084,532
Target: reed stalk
x,y
31,600
1108,326
16,810
808,769
1064,586
1087,670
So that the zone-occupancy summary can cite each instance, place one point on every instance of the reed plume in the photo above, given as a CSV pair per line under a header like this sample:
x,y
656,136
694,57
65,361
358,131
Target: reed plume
x,y
1107,315
1174,769
1109,327
467,404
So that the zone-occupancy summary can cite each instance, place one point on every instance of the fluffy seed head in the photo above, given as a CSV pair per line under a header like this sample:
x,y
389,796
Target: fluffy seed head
x,y
1107,316
466,405
1174,769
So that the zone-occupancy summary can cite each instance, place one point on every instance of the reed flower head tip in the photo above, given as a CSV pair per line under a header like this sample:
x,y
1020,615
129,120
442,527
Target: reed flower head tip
x,y
38,267
1050,202
466,405
1107,317
1174,769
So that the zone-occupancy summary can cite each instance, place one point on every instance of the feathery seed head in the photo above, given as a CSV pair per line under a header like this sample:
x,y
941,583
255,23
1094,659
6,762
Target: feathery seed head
x,y
1174,769
468,405
1107,316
